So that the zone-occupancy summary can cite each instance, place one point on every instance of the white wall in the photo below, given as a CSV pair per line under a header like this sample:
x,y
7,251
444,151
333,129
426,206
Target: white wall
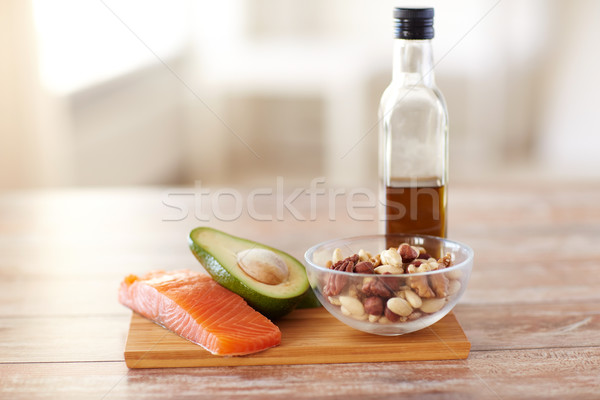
x,y
570,105
31,135
298,80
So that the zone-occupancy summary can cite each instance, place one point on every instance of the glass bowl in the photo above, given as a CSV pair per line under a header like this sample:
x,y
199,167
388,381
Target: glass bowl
x,y
364,301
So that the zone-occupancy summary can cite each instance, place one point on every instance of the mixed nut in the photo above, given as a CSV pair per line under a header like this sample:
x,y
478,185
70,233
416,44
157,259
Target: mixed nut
x,y
391,294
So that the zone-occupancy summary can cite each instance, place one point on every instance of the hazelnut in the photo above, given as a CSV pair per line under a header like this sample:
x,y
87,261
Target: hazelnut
x,y
407,252
390,315
373,305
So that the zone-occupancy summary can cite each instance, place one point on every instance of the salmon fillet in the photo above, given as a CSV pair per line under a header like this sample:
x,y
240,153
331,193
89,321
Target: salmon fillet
x,y
200,310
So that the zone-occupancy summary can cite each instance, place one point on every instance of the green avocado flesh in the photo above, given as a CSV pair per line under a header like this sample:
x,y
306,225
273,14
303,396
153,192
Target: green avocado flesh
x,y
217,251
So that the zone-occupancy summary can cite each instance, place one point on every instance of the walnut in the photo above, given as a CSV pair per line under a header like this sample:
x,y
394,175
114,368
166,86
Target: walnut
x,y
439,284
445,261
376,261
421,287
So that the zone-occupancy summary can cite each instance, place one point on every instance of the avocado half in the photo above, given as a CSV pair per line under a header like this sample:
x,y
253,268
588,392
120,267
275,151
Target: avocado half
x,y
217,252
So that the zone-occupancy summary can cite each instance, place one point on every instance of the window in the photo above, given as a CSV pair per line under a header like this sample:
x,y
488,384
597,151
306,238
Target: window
x,y
85,42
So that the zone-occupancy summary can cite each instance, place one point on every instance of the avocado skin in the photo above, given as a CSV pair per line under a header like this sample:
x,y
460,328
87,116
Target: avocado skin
x,y
269,307
309,300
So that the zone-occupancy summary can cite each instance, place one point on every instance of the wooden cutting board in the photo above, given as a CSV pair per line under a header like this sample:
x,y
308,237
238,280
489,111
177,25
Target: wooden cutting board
x,y
309,336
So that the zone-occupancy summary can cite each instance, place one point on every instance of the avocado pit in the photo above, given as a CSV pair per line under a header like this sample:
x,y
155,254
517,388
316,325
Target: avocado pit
x,y
263,265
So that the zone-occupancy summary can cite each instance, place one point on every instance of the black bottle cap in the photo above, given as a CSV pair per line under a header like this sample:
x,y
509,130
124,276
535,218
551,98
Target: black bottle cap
x,y
413,23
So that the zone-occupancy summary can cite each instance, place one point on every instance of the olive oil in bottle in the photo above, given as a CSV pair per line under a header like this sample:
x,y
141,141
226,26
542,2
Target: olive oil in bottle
x,y
414,133
417,209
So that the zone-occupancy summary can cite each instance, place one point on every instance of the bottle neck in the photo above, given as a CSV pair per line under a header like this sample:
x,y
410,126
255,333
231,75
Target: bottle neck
x,y
413,62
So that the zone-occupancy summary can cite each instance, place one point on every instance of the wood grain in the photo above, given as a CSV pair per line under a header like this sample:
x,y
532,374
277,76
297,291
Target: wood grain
x,y
63,338
572,373
531,310
69,338
514,326
310,336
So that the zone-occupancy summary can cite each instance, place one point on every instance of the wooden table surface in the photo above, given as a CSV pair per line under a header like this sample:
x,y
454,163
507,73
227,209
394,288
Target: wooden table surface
x,y
531,311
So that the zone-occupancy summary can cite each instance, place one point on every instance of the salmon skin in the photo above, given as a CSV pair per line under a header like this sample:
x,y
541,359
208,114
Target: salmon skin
x,y
200,310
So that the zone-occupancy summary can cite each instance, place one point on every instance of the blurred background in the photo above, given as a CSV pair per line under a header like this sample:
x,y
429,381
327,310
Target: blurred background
x,y
237,92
